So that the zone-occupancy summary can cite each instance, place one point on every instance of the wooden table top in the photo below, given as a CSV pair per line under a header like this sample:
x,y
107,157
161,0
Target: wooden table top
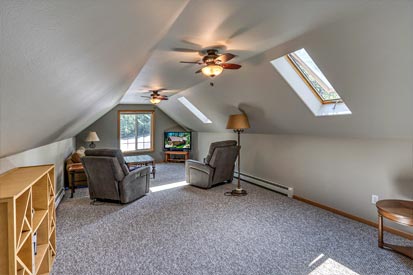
x,y
400,211
77,167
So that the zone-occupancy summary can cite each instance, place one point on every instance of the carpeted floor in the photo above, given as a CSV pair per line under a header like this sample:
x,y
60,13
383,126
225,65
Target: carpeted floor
x,y
186,230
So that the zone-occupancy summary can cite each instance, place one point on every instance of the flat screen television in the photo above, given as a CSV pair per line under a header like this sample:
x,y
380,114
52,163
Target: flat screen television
x,y
177,141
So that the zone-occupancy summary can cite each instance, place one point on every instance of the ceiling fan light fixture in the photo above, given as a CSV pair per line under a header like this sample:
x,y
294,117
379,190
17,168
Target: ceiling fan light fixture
x,y
154,100
212,70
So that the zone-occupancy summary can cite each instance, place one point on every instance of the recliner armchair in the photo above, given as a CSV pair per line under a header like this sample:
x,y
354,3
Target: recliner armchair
x,y
109,177
218,166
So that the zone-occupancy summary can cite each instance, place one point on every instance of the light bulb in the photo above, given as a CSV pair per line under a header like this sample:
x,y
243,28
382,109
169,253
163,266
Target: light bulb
x,y
154,100
212,70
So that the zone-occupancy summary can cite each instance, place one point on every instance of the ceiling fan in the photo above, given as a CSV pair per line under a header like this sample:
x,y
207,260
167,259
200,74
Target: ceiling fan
x,y
155,97
214,62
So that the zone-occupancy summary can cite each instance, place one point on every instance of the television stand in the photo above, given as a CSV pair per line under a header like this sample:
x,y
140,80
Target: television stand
x,y
184,154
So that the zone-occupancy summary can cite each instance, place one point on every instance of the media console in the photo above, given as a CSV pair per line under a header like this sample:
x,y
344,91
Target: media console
x,y
182,156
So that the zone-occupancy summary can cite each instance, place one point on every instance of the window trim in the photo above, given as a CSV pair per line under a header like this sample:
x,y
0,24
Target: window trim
x,y
309,84
152,112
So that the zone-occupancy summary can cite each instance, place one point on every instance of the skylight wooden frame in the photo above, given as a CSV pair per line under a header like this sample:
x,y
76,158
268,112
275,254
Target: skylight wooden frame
x,y
291,61
130,112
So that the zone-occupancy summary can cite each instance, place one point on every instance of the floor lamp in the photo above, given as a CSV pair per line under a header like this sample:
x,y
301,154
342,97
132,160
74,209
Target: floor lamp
x,y
238,123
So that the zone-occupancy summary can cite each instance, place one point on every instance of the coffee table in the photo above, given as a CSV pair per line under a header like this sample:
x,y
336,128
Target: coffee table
x,y
141,160
399,211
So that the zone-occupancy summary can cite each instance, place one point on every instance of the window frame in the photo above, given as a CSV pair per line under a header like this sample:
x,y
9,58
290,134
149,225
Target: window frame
x,y
152,113
308,83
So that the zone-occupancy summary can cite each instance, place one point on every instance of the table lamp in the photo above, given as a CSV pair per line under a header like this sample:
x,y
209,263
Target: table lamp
x,y
92,137
238,123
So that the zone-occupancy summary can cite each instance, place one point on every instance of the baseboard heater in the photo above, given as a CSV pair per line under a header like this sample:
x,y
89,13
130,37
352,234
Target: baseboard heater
x,y
288,191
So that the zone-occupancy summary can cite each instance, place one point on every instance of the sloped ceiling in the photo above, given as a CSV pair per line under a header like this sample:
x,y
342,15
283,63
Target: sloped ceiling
x,y
368,58
65,63
246,28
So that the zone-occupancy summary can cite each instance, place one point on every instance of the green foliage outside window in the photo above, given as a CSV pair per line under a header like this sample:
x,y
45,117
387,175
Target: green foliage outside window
x,y
135,128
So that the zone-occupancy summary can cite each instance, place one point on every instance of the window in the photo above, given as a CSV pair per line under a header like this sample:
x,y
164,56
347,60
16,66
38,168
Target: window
x,y
194,110
313,76
310,84
136,130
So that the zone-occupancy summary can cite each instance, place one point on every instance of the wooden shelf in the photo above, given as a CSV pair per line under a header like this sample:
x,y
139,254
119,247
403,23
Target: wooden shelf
x,y
183,156
25,235
41,252
21,191
38,217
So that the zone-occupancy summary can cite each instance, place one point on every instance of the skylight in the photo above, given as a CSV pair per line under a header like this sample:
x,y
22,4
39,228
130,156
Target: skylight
x,y
194,110
313,76
310,84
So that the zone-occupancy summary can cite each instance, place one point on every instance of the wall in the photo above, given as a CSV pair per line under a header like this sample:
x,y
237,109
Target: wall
x,y
341,173
54,153
107,129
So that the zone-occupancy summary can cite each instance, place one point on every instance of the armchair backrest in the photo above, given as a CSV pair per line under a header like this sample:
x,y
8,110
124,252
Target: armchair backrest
x,y
104,168
113,153
222,156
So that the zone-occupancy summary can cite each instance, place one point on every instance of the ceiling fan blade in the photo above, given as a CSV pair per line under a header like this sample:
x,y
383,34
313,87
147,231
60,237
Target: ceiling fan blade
x,y
191,43
184,50
225,57
190,62
231,66
158,90
145,96
197,72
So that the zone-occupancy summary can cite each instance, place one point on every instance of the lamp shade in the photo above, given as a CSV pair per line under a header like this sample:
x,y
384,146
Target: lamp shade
x,y
92,136
238,122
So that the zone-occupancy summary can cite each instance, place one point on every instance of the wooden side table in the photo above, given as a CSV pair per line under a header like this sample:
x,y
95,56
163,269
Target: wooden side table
x,y
168,154
399,211
74,169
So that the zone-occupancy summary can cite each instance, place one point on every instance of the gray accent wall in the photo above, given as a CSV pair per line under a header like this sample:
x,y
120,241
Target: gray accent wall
x,y
54,153
107,129
342,173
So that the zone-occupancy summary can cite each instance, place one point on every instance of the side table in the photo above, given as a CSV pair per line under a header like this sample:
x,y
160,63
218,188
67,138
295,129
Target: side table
x,y
73,169
399,211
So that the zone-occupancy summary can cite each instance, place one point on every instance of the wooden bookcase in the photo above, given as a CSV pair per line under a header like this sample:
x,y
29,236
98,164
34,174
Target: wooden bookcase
x,y
27,212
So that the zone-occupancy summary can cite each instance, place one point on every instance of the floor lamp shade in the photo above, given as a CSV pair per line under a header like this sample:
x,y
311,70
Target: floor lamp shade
x,y
238,123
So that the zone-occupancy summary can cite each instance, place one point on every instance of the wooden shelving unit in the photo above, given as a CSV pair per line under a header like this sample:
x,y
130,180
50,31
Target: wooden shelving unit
x,y
27,212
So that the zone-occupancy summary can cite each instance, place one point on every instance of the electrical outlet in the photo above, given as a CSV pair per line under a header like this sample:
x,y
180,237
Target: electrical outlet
x,y
374,199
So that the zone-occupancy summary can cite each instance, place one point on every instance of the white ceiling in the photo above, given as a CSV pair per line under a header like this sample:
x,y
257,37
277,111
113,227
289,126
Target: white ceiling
x,y
66,63
246,28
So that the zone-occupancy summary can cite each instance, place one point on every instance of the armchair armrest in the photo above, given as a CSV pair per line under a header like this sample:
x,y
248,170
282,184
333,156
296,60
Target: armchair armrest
x,y
139,172
135,184
190,163
198,173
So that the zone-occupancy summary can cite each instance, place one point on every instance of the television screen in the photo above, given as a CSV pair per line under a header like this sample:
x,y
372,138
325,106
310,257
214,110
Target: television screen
x,y
178,141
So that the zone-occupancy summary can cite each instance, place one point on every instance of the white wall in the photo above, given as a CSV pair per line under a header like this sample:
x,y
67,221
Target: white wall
x,y
54,153
341,173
